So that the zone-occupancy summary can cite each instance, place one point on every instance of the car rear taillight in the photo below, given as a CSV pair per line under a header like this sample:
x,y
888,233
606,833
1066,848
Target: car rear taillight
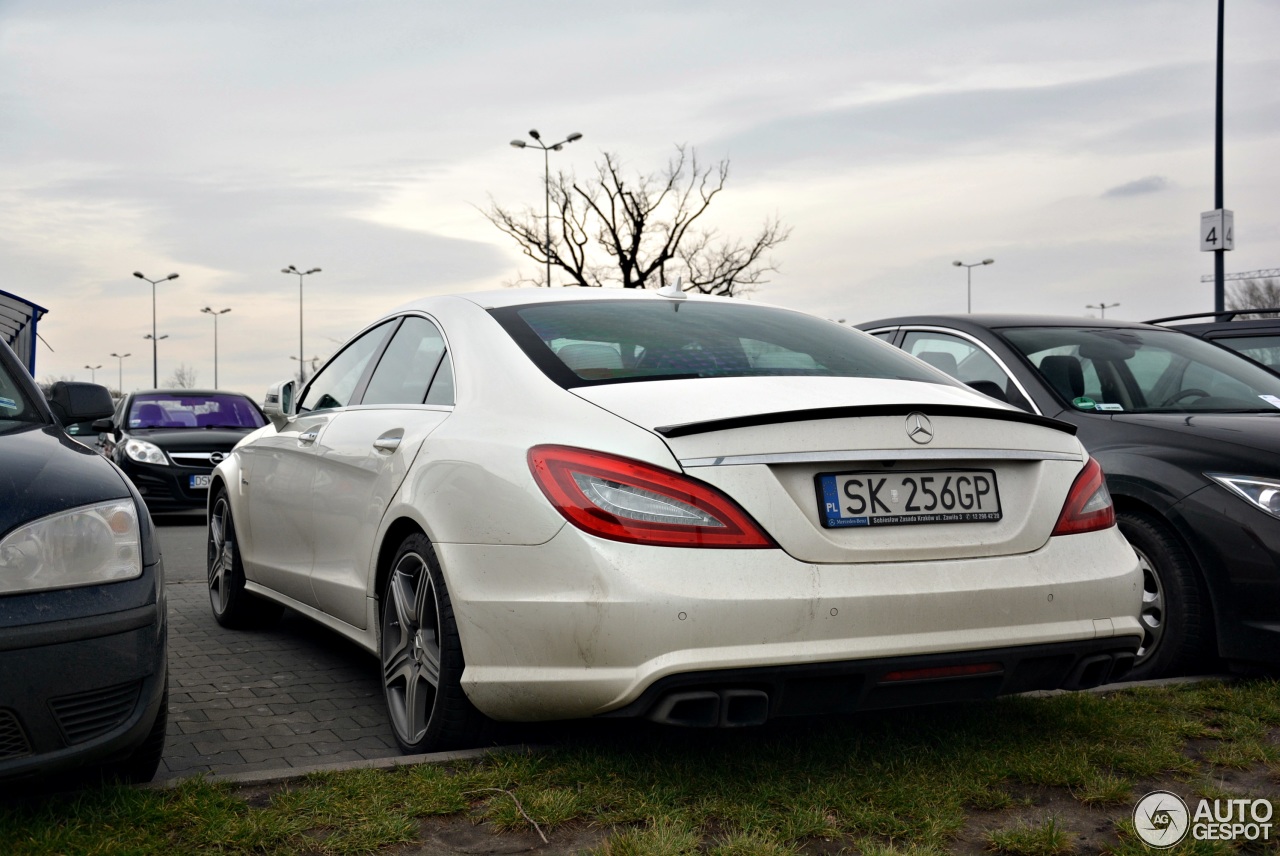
x,y
1088,507
626,500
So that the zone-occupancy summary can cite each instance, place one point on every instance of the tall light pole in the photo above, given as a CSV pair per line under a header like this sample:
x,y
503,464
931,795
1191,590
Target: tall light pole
x,y
1102,307
546,179
301,273
120,382
155,360
215,313
969,279
302,364
93,373
155,378
1219,260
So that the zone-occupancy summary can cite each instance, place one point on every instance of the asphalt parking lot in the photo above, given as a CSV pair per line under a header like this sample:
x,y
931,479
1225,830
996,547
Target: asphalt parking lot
x,y
295,695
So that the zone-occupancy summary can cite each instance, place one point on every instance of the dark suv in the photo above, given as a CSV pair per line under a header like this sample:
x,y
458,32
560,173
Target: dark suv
x,y
169,440
82,607
1256,338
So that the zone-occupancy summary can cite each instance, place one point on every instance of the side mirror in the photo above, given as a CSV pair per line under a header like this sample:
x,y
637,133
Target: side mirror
x,y
102,426
72,401
277,405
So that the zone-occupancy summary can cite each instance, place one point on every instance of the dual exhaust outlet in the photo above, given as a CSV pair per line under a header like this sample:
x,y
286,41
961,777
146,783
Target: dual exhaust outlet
x,y
712,708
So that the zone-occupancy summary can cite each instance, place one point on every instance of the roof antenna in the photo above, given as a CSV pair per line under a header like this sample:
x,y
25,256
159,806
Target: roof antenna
x,y
673,290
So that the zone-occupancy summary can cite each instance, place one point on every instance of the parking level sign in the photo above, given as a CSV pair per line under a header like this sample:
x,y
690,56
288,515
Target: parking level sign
x,y
1217,230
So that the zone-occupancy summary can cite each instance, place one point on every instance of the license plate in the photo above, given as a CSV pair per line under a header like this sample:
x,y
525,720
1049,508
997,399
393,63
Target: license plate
x,y
895,499
200,482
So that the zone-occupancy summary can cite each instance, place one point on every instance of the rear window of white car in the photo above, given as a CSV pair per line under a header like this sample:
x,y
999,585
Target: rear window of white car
x,y
590,342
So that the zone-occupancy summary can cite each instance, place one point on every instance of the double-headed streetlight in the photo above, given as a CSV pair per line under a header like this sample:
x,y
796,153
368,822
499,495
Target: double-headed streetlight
x,y
1101,307
93,373
969,279
301,273
120,382
303,363
155,378
546,179
155,360
215,313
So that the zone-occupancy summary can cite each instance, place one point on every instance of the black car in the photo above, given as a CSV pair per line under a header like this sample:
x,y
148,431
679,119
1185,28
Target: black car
x,y
1256,338
1189,436
169,440
82,606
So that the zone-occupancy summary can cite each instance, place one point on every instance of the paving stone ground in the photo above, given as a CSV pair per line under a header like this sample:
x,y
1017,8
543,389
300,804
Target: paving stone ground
x,y
295,695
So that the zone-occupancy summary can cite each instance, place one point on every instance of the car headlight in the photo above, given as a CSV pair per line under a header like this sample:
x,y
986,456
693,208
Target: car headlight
x,y
145,453
95,544
1263,493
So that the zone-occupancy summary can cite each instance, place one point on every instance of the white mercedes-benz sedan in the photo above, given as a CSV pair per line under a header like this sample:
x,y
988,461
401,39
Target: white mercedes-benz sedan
x,y
550,504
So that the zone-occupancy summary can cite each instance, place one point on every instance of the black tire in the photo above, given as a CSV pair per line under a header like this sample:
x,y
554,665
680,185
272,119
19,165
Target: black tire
x,y
232,606
1174,616
421,657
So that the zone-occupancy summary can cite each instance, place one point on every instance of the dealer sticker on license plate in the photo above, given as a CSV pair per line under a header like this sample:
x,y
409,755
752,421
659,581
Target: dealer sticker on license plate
x,y
894,499
200,482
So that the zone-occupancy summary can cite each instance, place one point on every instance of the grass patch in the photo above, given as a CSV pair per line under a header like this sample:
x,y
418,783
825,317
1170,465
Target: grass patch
x,y
1105,789
1047,839
900,783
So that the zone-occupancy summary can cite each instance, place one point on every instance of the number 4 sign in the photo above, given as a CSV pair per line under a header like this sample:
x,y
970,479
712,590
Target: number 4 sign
x,y
1217,230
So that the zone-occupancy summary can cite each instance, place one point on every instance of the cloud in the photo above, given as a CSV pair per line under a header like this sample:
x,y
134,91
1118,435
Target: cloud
x,y
1141,187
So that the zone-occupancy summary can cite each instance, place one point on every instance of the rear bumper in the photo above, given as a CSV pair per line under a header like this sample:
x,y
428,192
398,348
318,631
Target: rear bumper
x,y
580,627
735,697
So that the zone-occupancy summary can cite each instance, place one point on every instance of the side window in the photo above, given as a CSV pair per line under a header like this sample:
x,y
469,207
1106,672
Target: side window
x,y
885,335
1264,349
335,383
441,391
407,365
958,357
966,362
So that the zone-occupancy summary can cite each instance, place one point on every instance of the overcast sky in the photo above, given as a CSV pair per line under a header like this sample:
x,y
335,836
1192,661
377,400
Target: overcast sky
x,y
1070,141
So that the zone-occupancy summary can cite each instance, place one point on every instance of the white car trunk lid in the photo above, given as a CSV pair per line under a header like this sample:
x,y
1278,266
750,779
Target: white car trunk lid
x,y
771,458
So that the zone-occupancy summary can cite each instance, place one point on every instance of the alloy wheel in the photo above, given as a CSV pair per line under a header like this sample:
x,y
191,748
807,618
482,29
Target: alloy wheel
x,y
411,647
222,553
1153,606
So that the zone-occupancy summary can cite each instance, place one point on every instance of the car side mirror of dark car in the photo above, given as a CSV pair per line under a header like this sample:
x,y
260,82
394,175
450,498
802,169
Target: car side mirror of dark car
x,y
102,426
73,401
277,404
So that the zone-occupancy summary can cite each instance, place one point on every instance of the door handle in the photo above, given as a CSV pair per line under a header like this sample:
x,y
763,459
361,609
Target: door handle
x,y
388,442
309,437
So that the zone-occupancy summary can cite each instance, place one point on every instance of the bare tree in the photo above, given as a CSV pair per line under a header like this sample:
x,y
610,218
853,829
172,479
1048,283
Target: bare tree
x,y
183,377
1255,294
642,232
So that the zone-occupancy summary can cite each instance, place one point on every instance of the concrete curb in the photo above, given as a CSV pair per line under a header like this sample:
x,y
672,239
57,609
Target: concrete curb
x,y
1128,685
267,777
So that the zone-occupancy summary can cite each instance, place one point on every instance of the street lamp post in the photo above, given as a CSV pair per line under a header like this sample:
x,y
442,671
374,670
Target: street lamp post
x,y
301,273
155,361
969,279
93,373
302,364
215,313
155,377
120,382
1101,307
546,180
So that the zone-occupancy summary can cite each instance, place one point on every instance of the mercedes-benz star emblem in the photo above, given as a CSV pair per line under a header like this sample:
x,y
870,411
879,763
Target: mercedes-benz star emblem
x,y
919,428
216,458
